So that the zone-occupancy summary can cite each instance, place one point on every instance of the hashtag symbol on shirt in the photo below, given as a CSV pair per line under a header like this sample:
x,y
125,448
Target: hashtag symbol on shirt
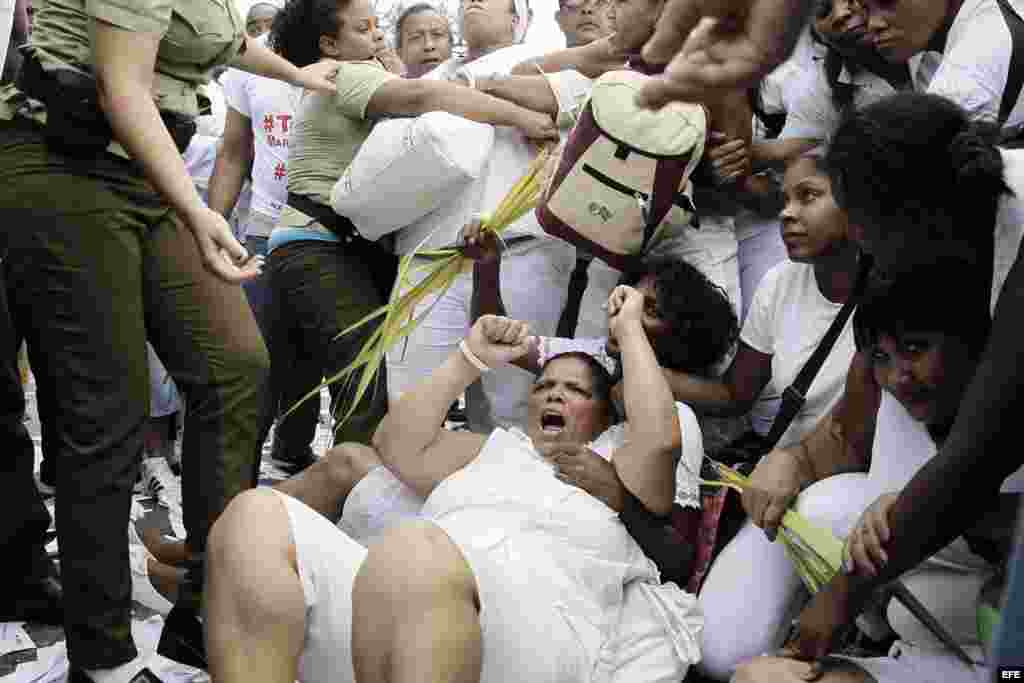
x,y
268,123
279,171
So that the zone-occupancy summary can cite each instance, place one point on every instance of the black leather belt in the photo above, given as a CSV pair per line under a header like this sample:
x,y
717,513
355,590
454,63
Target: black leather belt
x,y
325,215
75,123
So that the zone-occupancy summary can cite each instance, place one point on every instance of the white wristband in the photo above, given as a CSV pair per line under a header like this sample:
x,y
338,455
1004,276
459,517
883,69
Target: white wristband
x,y
473,359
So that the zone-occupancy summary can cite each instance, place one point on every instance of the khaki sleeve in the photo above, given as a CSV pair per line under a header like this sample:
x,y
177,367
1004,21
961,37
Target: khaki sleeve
x,y
357,81
141,16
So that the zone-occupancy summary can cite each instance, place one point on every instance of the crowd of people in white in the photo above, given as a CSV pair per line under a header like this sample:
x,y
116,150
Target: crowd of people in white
x,y
195,208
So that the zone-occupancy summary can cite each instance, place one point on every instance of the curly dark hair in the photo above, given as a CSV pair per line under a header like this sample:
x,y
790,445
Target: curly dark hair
x,y
921,301
600,378
916,161
699,313
295,33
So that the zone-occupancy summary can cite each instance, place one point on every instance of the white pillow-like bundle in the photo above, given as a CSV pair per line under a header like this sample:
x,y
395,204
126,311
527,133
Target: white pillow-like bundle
x,y
409,167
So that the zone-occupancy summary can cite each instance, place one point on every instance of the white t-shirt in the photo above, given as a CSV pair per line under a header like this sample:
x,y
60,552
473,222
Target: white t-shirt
x,y
270,107
975,63
781,86
812,112
787,319
212,124
200,157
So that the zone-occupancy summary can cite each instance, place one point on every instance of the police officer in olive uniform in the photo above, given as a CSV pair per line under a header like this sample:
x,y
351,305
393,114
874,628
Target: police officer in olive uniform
x,y
104,243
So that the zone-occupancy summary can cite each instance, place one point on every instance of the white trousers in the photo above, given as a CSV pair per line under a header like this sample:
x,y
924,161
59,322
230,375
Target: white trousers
x,y
752,591
328,561
534,283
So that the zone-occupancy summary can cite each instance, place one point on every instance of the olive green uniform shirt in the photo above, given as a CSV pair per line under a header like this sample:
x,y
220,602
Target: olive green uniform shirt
x,y
195,37
328,133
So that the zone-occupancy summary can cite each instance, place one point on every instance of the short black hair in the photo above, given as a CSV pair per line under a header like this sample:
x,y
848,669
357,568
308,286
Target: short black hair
x,y
914,160
295,33
601,379
702,320
934,298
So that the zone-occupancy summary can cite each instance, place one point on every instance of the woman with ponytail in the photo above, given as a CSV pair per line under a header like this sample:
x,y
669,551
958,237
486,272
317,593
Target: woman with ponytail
x,y
323,275
923,184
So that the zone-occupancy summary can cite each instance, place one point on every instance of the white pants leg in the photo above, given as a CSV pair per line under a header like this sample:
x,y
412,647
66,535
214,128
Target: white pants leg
x,y
534,282
752,591
328,562
642,649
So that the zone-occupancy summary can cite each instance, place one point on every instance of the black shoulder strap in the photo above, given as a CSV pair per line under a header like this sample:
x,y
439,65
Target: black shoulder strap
x,y
795,395
1015,76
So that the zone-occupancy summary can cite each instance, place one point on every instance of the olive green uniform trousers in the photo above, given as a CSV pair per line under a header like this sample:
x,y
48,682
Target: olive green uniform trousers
x,y
96,263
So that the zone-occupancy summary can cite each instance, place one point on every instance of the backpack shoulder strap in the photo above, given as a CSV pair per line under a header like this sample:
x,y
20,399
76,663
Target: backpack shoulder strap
x,y
1015,77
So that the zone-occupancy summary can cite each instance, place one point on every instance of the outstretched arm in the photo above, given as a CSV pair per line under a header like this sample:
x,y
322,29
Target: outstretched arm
x,y
533,92
406,97
714,45
591,60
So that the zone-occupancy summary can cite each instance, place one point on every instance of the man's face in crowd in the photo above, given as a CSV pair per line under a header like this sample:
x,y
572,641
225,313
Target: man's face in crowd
x,y
489,23
259,19
583,21
425,42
